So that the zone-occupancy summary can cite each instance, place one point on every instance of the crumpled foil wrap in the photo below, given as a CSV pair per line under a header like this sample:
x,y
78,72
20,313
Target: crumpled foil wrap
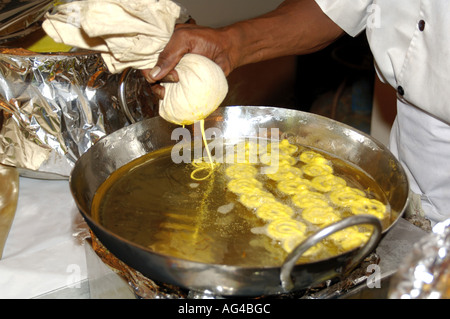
x,y
425,274
53,107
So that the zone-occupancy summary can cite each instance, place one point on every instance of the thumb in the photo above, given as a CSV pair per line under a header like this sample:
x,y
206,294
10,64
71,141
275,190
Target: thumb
x,y
167,61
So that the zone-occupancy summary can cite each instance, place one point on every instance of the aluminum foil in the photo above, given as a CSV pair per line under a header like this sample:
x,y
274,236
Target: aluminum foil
x,y
53,107
425,274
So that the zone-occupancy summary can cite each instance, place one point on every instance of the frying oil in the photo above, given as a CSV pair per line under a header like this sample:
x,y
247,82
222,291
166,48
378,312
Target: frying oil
x,y
155,203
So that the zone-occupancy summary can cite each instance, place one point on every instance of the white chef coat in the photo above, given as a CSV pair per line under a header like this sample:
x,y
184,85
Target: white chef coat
x,y
410,43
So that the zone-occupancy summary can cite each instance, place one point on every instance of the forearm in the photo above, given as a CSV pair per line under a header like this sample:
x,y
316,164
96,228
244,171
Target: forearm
x,y
296,27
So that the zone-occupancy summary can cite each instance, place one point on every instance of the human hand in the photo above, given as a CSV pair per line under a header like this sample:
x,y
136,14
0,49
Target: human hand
x,y
214,44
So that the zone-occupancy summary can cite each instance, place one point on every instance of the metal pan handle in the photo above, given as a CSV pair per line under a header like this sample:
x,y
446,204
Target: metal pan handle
x,y
122,96
286,269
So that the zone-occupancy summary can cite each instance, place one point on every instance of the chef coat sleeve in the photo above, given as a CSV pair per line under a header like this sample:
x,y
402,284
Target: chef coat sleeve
x,y
350,15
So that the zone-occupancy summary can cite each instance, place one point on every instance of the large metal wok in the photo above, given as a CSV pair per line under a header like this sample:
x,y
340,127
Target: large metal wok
x,y
136,140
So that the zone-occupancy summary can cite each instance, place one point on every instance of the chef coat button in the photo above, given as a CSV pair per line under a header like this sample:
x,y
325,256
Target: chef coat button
x,y
421,25
400,90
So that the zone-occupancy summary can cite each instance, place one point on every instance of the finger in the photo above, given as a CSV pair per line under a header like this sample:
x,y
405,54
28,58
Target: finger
x,y
148,77
168,60
172,77
156,74
159,91
165,66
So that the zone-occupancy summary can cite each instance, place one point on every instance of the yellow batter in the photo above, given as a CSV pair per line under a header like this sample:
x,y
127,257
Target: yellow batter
x,y
201,164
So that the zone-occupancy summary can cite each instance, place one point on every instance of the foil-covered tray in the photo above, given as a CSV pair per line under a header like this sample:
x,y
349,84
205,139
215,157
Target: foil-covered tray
x,y
53,107
425,272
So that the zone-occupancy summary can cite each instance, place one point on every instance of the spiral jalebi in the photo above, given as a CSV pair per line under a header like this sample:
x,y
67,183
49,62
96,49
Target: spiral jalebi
x,y
328,183
345,196
368,206
321,216
306,199
244,185
289,244
283,228
350,237
257,198
286,147
294,185
311,157
203,164
274,211
314,169
237,171
285,173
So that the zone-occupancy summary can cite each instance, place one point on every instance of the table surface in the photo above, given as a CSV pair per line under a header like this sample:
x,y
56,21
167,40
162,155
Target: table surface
x,y
42,252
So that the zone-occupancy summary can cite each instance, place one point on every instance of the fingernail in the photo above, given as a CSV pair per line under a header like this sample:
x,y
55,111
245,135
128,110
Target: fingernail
x,y
154,73
170,78
158,91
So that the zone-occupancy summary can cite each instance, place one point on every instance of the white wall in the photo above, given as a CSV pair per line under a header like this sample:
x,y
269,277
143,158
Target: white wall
x,y
217,13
